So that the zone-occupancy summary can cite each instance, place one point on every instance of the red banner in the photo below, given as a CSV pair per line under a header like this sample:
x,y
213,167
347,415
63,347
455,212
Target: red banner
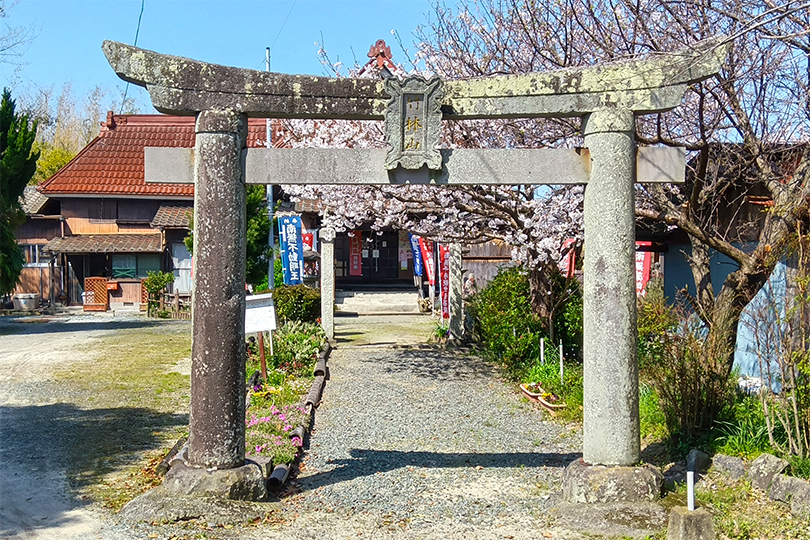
x,y
643,261
427,258
356,254
308,239
567,263
444,280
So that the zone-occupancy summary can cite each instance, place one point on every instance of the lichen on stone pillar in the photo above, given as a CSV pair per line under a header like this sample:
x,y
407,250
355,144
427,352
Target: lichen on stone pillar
x,y
611,422
217,420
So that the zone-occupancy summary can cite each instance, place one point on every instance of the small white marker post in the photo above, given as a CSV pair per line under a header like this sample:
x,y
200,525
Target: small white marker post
x,y
542,350
690,490
561,362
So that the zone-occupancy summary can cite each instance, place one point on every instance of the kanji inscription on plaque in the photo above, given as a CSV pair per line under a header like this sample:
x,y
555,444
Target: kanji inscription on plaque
x,y
413,123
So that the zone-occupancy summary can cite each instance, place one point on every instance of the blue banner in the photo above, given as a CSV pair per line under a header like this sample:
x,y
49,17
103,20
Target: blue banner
x,y
417,254
292,249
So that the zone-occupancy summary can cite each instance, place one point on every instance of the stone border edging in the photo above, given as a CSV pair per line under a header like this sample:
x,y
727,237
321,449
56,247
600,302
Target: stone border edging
x,y
766,473
281,471
166,463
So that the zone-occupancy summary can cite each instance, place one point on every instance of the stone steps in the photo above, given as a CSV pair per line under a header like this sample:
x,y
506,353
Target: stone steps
x,y
369,302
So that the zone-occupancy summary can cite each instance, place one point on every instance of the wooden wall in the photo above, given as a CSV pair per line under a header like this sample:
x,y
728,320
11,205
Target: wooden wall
x,y
37,280
108,216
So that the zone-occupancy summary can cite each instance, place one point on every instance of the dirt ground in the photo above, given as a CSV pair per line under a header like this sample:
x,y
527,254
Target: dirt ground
x,y
38,416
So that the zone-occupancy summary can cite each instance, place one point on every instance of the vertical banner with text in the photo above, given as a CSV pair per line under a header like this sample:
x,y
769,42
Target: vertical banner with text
x,y
292,249
417,255
427,260
444,280
356,253
643,262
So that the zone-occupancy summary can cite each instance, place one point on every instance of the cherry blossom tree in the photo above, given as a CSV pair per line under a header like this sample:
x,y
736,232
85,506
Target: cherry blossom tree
x,y
536,223
746,130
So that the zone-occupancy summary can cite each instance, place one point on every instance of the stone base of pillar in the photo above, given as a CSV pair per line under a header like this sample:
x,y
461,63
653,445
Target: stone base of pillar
x,y
694,525
583,483
610,520
160,505
245,483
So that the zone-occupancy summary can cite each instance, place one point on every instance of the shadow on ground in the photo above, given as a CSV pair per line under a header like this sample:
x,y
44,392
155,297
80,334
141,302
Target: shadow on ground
x,y
434,363
40,326
370,462
40,446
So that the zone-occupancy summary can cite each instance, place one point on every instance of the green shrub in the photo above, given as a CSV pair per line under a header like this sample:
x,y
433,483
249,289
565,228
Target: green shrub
x,y
155,283
568,321
297,345
297,303
656,319
686,369
504,322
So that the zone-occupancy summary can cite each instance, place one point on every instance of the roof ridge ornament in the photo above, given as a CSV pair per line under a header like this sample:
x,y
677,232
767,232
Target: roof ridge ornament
x,y
413,120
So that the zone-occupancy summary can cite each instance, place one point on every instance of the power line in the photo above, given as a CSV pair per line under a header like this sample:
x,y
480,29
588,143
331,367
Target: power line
x,y
283,25
137,33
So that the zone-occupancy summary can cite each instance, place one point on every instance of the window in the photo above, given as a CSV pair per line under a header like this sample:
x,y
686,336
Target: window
x,y
148,262
130,265
124,266
33,255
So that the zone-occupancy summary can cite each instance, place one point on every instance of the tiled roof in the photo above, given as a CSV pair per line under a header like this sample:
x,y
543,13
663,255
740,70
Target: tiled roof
x,y
106,243
33,200
112,164
172,217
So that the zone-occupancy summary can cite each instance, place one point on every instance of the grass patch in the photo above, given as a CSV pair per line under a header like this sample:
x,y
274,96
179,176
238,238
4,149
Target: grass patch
x,y
653,422
121,486
130,409
742,513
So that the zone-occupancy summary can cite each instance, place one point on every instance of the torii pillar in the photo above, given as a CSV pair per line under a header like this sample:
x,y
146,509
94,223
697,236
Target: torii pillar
x,y
606,97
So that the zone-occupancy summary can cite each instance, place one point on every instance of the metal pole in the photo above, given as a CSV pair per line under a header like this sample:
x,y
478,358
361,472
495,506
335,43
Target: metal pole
x,y
269,191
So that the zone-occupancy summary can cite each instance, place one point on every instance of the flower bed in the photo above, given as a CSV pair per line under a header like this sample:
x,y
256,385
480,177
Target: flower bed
x,y
267,432
275,407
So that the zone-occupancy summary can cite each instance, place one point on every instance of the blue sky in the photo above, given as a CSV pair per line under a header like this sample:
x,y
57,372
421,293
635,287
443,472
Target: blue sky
x,y
69,33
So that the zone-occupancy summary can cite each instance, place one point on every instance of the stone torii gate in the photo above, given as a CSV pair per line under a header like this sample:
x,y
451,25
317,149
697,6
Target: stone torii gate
x,y
607,98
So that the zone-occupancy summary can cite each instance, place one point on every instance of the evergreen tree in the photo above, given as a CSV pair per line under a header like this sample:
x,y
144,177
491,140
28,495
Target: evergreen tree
x,y
17,166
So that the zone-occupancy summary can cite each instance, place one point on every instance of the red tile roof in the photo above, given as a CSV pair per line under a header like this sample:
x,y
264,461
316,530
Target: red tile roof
x,y
106,243
112,164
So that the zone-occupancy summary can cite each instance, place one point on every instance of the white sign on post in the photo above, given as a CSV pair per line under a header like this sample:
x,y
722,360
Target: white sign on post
x,y
260,313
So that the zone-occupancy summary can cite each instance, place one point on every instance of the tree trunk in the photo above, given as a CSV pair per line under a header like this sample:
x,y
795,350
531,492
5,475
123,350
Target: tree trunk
x,y
540,289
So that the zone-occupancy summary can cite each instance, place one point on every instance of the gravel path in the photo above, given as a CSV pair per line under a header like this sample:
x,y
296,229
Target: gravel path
x,y
424,443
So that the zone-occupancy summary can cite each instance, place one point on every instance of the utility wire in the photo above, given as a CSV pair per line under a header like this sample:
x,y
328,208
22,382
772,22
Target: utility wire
x,y
137,33
282,28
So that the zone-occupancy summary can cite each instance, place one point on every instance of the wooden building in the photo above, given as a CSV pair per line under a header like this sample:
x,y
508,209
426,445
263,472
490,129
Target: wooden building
x,y
112,224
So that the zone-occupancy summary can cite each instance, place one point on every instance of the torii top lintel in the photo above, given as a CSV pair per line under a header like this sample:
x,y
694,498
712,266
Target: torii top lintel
x,y
646,85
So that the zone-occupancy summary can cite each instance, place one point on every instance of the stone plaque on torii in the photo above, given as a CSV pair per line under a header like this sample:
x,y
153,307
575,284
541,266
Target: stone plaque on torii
x,y
607,97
